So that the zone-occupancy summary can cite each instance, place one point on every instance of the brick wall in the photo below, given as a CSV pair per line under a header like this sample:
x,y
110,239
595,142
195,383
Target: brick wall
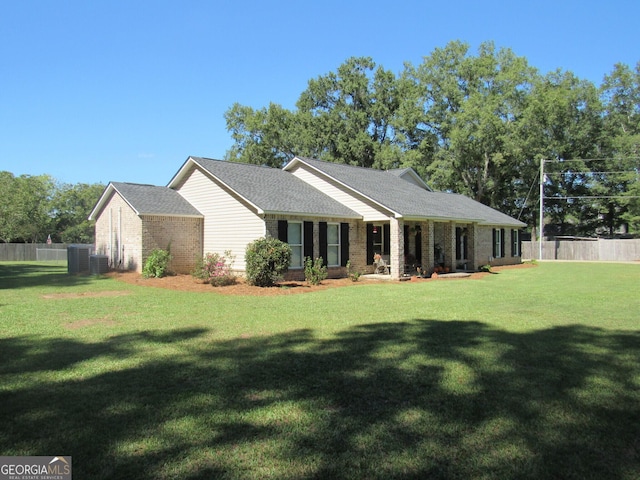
x,y
484,245
119,234
181,235
356,255
128,239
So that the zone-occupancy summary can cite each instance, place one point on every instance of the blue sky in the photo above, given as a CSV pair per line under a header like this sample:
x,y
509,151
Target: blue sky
x,y
95,91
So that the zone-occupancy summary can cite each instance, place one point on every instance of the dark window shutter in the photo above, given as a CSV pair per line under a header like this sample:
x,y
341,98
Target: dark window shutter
x,y
344,244
465,249
308,240
502,238
406,241
458,243
495,245
370,251
386,231
283,235
322,231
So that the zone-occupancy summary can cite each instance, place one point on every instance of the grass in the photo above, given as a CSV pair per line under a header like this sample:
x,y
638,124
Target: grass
x,y
526,374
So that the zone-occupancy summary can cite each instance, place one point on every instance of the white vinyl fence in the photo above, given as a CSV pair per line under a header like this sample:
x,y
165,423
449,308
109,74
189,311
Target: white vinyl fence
x,y
598,249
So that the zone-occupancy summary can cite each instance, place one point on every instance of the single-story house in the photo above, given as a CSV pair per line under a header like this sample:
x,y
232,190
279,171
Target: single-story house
x,y
341,213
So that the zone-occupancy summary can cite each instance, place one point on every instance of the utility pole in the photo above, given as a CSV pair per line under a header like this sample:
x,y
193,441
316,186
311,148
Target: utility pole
x,y
541,219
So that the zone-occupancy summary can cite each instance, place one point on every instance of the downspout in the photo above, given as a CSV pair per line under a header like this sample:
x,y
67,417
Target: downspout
x,y
111,237
121,248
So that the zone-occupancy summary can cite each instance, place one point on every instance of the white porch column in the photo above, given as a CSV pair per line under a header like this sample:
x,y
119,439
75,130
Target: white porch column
x,y
397,248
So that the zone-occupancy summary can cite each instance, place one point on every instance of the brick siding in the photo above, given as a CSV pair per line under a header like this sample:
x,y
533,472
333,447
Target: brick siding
x,y
128,239
182,236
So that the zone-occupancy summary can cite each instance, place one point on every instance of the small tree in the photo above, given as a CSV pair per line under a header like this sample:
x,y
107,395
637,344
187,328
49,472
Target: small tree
x,y
314,271
267,259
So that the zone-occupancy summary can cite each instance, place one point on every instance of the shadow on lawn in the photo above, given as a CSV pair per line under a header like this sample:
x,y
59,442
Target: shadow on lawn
x,y
419,399
21,275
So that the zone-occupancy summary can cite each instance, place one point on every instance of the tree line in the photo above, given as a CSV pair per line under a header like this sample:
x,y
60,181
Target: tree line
x,y
477,124
34,207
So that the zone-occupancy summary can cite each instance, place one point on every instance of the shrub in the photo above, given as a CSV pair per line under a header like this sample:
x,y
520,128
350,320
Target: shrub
x,y
353,274
314,271
157,264
215,269
267,259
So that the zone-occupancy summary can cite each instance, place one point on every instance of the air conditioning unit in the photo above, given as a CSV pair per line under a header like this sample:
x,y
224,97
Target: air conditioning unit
x,y
98,264
78,258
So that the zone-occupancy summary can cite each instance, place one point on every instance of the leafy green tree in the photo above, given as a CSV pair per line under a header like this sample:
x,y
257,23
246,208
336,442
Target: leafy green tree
x,y
34,207
71,206
25,206
472,105
563,124
620,94
262,137
351,114
8,225
476,124
345,117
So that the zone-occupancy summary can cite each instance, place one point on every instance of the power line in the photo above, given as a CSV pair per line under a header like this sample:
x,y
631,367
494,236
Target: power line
x,y
560,160
592,196
527,197
543,178
591,172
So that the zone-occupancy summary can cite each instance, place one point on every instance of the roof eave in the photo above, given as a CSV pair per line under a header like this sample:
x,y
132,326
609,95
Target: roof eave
x,y
182,172
176,215
103,199
314,215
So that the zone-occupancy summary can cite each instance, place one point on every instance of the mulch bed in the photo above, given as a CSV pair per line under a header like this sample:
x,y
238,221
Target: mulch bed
x,y
188,283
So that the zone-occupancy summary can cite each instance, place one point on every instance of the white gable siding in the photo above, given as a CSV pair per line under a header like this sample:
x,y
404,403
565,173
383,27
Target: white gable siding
x,y
369,211
229,223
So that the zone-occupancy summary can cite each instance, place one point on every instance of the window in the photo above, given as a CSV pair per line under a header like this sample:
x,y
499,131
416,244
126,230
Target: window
x,y
515,243
333,245
381,239
295,241
498,242
333,238
378,241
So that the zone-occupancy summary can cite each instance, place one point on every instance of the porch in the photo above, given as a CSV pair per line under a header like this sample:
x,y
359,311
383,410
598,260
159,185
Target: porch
x,y
407,277
418,248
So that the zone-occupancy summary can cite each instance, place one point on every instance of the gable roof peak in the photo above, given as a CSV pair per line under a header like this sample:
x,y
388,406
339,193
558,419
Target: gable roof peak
x,y
266,189
405,198
145,199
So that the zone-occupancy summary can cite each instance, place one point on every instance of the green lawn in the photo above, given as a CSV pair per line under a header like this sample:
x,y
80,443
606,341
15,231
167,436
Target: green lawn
x,y
526,374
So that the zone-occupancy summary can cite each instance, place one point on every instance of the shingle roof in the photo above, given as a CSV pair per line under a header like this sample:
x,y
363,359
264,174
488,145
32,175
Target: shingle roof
x,y
274,190
404,198
153,200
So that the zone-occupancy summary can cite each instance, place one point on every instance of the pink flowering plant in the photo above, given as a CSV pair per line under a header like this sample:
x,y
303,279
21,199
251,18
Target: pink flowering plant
x,y
216,269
